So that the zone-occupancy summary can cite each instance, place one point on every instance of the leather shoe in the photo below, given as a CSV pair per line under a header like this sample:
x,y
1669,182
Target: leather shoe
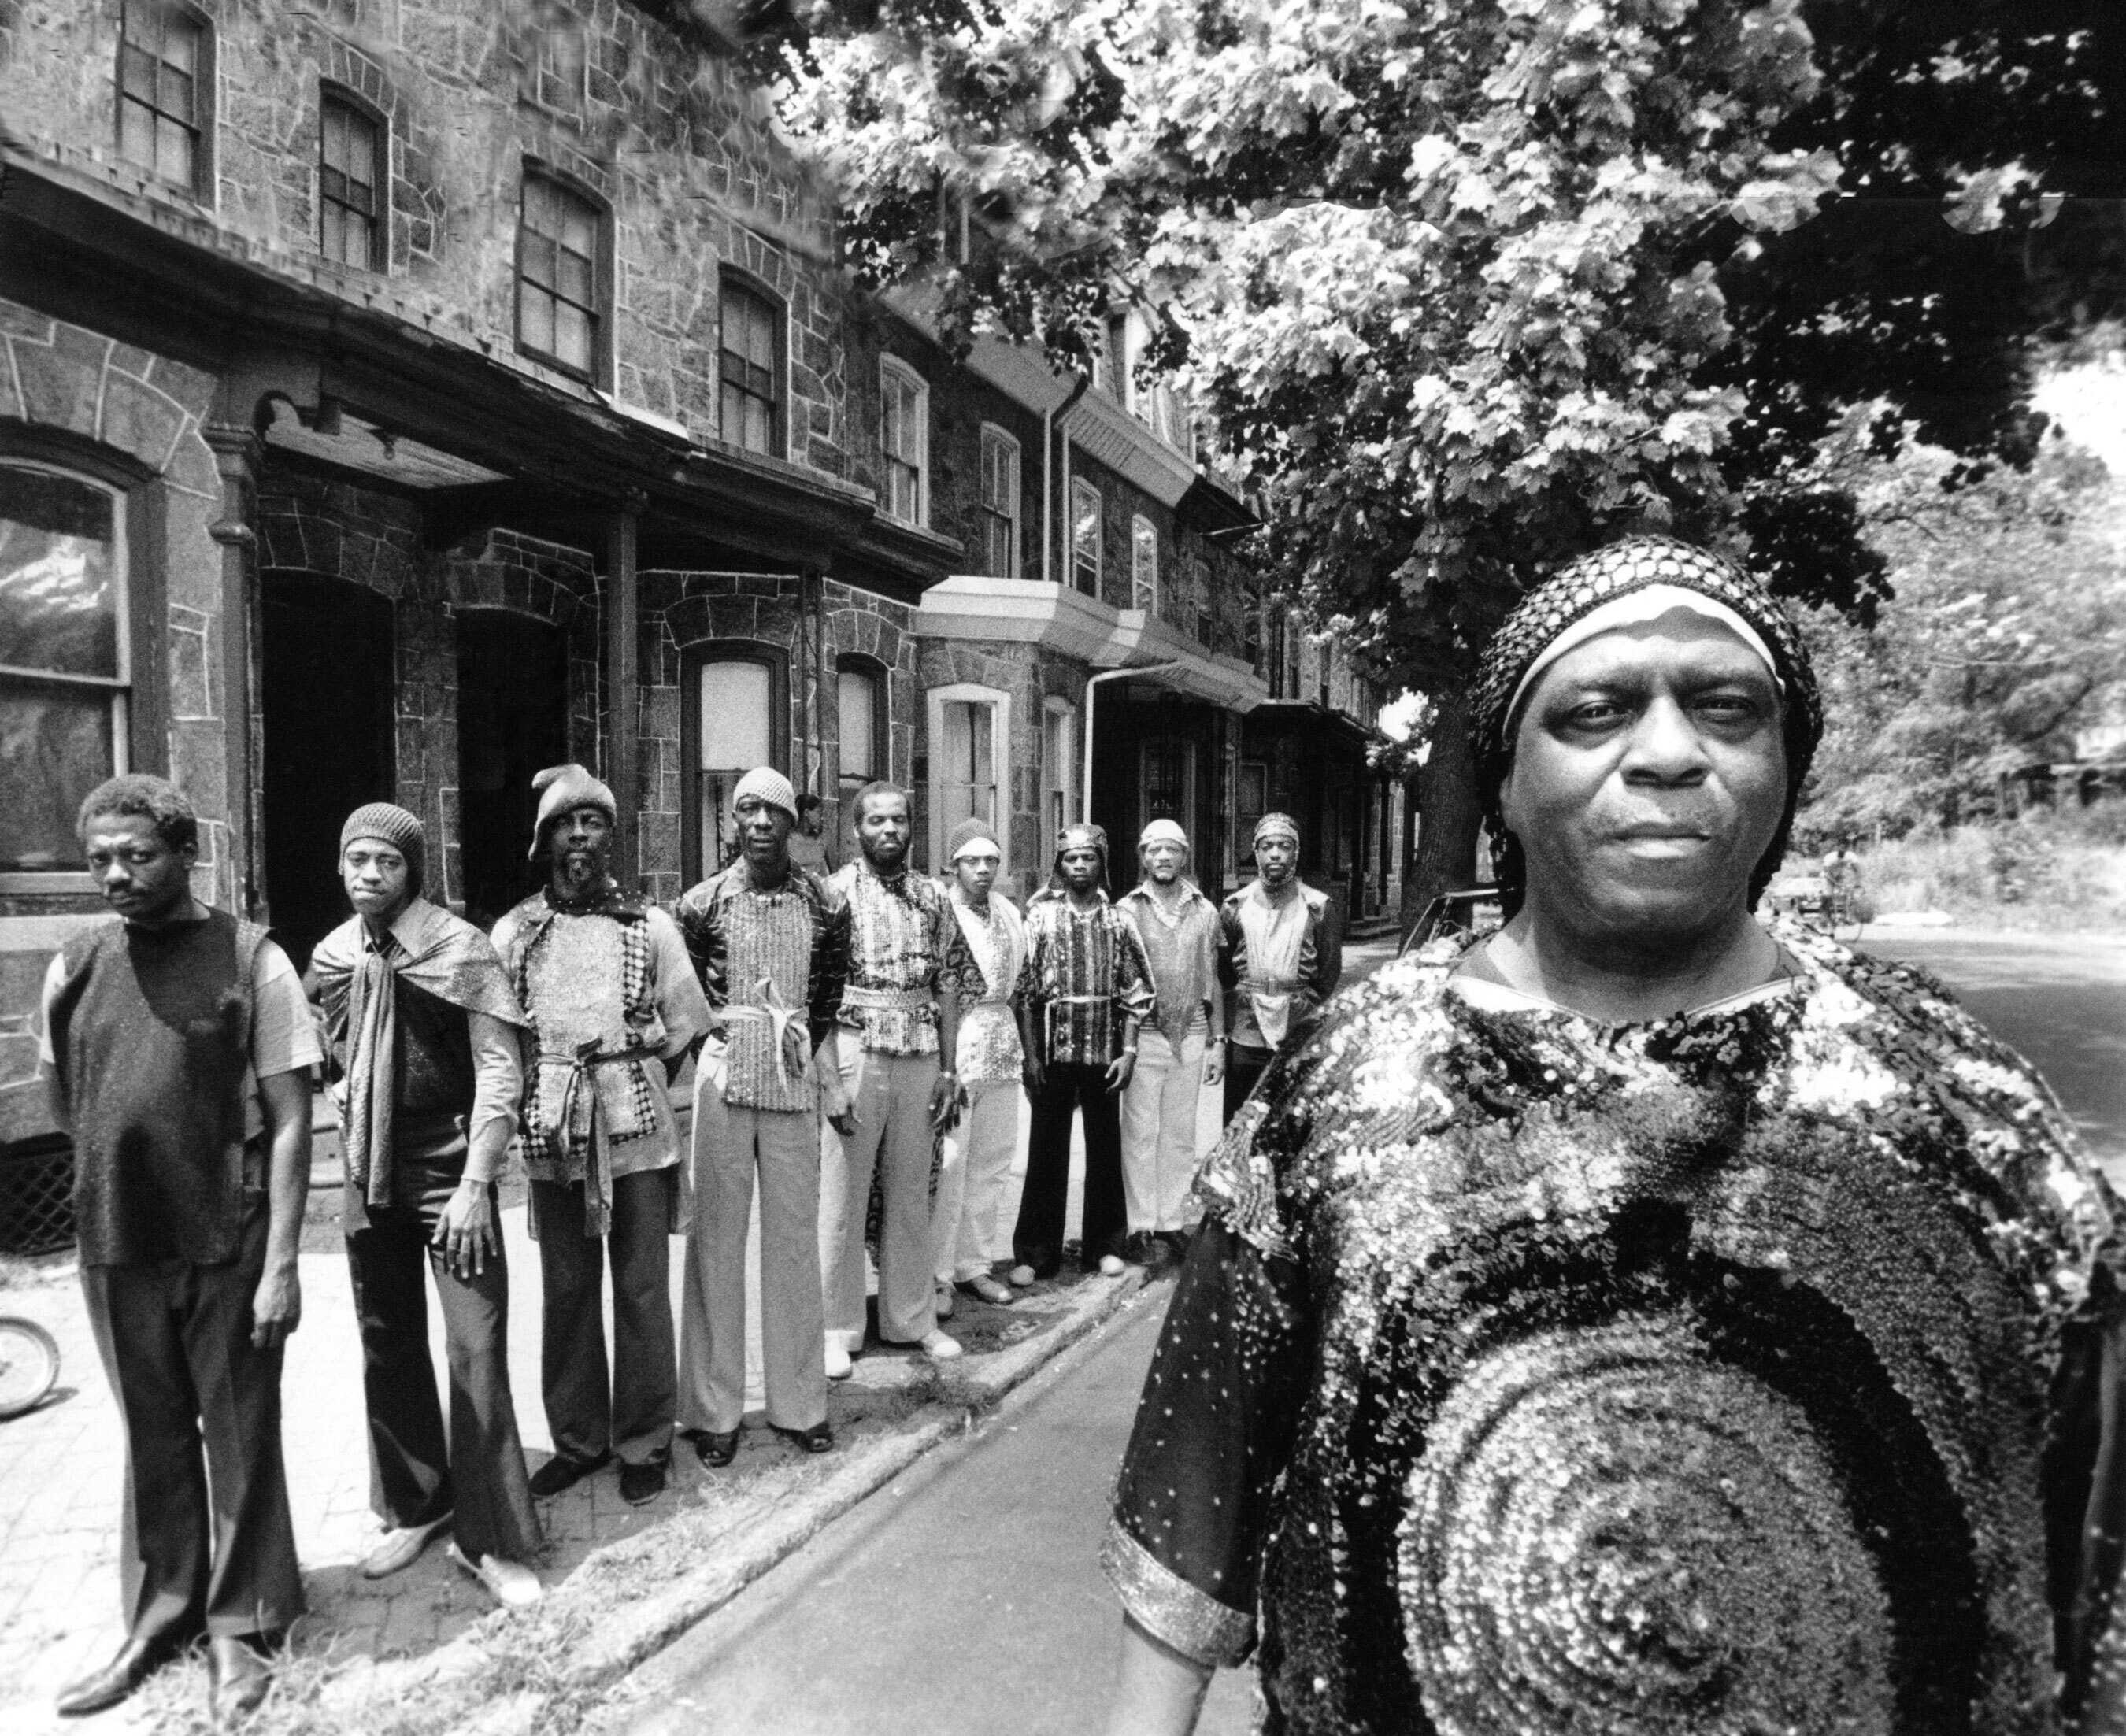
x,y
400,1547
238,1674
819,1438
717,1446
990,1289
119,1679
560,1472
641,1484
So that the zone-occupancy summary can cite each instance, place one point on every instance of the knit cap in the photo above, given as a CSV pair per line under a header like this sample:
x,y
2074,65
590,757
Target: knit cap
x,y
765,784
1163,832
566,788
394,826
968,832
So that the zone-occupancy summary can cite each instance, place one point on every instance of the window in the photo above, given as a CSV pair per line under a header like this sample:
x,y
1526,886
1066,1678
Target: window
x,y
1168,780
165,91
866,736
1144,565
904,437
1251,800
562,69
1059,733
349,172
969,741
735,698
751,363
64,660
1086,537
999,503
560,271
1323,653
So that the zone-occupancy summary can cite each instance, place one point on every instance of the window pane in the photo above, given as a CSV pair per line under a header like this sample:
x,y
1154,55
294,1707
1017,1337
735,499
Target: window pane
x,y
534,318
56,747
966,779
858,695
735,721
572,335
180,43
173,93
1144,564
173,152
1085,535
58,596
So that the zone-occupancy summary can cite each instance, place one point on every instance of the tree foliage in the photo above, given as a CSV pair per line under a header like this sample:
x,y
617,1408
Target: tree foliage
x,y
1467,286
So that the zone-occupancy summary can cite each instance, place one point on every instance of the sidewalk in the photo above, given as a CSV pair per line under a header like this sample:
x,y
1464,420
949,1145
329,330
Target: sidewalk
x,y
618,1576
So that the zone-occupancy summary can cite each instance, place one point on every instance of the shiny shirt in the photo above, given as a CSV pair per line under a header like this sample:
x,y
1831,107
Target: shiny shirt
x,y
905,953
1183,950
992,993
1313,979
1091,984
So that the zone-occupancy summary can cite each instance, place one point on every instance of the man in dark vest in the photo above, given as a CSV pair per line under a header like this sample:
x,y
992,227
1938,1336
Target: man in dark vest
x,y
424,1026
179,1050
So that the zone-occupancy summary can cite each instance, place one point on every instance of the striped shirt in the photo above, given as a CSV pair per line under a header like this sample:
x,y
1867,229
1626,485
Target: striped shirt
x,y
1090,977
1183,950
905,952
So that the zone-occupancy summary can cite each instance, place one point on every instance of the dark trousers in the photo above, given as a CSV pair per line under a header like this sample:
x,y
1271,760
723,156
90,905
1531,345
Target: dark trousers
x,y
1244,1067
206,1539
415,1476
1038,1241
631,1413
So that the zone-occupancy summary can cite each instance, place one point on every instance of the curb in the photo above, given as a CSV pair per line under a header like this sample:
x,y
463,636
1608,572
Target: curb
x,y
613,1644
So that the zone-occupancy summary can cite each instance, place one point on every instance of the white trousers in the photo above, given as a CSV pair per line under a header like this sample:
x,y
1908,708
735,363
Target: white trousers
x,y
1158,1128
890,1096
971,1181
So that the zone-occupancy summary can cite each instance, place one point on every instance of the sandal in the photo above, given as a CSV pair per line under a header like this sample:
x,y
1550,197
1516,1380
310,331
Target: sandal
x,y
819,1438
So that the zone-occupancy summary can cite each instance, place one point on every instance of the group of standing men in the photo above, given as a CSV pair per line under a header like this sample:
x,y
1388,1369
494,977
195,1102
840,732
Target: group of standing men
x,y
873,1022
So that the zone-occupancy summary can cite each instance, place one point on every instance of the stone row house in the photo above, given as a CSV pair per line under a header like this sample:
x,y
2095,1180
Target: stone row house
x,y
398,396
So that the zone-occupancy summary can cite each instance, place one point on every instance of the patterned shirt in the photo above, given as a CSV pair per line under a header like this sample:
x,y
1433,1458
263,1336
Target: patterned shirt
x,y
1182,949
905,951
795,937
1087,965
994,991
1280,961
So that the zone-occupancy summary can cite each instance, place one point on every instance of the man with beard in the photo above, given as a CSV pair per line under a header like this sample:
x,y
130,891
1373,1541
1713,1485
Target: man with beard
x,y
996,1035
1181,1049
900,1014
614,1006
1091,991
425,1028
177,1052
1280,954
772,946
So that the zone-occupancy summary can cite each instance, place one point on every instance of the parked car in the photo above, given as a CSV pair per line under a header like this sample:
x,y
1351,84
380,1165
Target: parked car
x,y
1474,910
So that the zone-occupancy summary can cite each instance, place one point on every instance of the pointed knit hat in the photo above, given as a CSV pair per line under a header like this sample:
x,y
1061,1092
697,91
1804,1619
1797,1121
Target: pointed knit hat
x,y
566,788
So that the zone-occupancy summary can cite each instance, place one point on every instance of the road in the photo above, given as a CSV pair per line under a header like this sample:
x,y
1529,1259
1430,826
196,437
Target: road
x,y
966,1599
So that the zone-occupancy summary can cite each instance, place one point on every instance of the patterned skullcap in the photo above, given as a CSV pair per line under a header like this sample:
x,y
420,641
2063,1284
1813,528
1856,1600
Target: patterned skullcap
x,y
1080,835
394,826
971,830
770,786
1163,832
1277,825
1636,563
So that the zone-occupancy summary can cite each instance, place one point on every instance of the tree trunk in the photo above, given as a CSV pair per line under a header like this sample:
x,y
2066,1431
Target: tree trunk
x,y
1449,811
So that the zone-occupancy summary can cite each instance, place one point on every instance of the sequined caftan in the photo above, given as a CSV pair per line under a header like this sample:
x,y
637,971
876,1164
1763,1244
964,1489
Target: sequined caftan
x,y
1754,1369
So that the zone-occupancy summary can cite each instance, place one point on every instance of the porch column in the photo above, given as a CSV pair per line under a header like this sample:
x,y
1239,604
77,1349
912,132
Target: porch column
x,y
237,449
623,688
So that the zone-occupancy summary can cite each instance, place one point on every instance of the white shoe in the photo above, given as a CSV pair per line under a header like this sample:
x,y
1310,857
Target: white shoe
x,y
1022,1277
940,1347
1111,1266
400,1547
837,1357
511,1583
942,1299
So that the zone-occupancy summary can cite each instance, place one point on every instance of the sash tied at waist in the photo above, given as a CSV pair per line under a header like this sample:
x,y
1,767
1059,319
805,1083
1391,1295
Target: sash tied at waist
x,y
580,1103
781,1017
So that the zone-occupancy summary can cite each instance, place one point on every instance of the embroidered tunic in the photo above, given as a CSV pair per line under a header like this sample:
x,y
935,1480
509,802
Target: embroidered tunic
x,y
1752,1369
904,949
1090,978
993,990
1279,959
772,964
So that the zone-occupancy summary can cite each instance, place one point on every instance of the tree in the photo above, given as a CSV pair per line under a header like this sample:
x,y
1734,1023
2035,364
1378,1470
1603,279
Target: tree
x,y
1467,286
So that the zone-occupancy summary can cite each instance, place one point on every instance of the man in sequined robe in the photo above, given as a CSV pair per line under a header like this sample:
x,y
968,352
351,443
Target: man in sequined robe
x,y
1639,1322
771,944
614,1006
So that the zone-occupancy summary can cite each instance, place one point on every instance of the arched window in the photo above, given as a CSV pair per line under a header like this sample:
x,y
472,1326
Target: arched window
x,y
735,715
352,198
903,438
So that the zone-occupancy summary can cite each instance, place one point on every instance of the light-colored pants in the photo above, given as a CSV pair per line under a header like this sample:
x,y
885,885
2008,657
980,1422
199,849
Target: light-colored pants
x,y
1158,1128
782,1147
890,1096
970,1182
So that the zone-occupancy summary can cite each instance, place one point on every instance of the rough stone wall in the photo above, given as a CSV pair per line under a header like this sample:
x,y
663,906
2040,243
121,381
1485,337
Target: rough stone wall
x,y
677,148
683,611
64,378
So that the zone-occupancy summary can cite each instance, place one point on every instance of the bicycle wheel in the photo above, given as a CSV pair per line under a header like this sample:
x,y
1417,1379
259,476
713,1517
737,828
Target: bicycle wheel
x,y
28,1365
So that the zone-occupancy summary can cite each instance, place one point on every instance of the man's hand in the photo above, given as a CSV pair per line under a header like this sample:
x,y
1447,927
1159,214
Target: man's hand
x,y
945,1101
467,1231
277,1309
1033,1075
1214,1063
1119,1070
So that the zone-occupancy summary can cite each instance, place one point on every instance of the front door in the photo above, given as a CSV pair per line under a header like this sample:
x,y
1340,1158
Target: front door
x,y
512,722
326,693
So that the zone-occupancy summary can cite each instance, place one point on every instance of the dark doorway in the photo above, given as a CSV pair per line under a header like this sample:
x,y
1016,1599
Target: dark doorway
x,y
326,692
512,721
